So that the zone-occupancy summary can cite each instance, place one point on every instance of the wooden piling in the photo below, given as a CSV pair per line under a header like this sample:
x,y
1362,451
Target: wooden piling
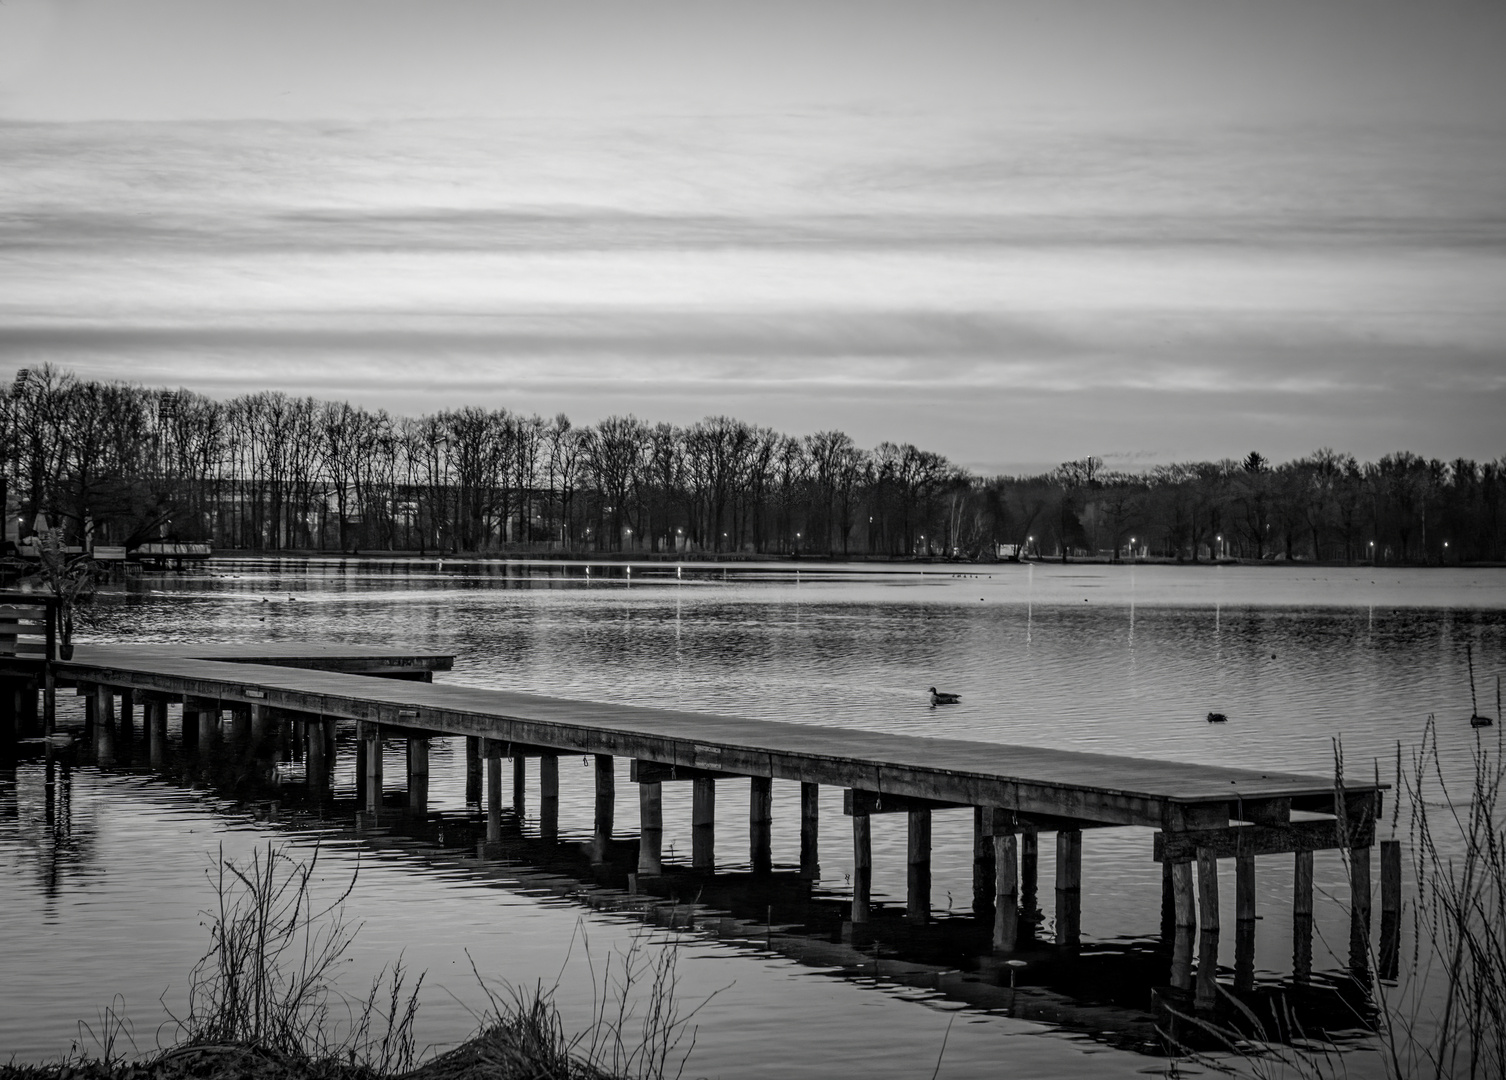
x,y
650,830
1359,912
316,767
1069,887
1006,899
1244,922
493,753
360,768
1182,896
1390,949
703,824
127,724
1302,917
549,798
104,729
372,734
259,720
810,831
519,784
418,776
918,877
1181,953
984,883
1207,890
1244,888
1205,996
156,724
1030,857
473,770
1168,904
209,725
606,796
862,867
761,824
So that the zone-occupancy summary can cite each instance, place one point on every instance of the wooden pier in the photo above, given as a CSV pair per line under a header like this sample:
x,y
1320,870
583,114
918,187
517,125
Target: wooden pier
x,y
1200,815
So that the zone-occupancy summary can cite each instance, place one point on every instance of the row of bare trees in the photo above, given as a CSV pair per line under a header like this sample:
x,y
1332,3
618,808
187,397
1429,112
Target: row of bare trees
x,y
114,463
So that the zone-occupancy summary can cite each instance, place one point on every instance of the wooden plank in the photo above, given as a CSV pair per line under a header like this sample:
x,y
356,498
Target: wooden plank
x,y
1318,835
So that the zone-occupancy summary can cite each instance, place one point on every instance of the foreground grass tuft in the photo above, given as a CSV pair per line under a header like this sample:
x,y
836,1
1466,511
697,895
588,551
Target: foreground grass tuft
x,y
263,1005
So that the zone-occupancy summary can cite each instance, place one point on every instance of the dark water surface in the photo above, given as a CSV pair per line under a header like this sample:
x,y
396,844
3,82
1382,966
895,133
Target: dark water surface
x,y
106,900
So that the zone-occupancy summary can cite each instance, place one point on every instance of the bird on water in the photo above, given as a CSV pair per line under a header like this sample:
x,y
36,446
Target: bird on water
x,y
940,698
1216,718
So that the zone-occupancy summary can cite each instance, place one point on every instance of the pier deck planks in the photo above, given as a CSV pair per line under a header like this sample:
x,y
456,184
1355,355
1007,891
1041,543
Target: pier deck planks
x,y
1090,788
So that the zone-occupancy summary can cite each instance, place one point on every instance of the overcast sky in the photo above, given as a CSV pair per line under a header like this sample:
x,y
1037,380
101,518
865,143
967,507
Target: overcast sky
x,y
1010,233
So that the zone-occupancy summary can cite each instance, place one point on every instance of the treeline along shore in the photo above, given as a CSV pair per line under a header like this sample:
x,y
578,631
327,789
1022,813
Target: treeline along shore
x,y
114,463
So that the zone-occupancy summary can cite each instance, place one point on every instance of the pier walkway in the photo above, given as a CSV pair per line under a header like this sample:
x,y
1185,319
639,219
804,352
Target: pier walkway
x,y
1200,813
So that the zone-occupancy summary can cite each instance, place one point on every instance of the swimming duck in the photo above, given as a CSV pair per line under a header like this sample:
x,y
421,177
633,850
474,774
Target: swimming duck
x,y
1216,718
939,698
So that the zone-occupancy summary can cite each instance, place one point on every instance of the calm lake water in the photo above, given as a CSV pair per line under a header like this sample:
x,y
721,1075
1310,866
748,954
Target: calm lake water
x,y
1114,659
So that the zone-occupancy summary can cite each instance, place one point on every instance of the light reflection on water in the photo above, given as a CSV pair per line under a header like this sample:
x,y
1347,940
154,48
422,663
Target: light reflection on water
x,y
1115,659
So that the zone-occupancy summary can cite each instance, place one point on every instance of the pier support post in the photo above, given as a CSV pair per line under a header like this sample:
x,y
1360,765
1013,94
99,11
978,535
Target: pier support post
x,y
519,785
918,877
1006,901
761,824
209,725
862,866
1302,917
1390,948
1184,920
315,765
418,775
1206,996
549,798
258,715
493,754
127,724
1244,922
1168,904
650,830
1359,912
371,734
1069,887
810,831
983,863
1182,896
240,724
472,769
703,824
1030,858
104,727
606,800
360,769
155,719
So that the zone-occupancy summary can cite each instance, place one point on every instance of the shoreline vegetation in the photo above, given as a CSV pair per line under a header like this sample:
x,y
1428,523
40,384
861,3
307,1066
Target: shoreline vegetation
x,y
264,1003
117,464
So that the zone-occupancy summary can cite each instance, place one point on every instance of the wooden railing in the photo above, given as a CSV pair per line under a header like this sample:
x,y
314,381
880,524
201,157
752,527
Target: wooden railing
x,y
28,626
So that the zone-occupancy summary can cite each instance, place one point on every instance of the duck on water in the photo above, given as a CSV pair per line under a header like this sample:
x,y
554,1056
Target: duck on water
x,y
939,697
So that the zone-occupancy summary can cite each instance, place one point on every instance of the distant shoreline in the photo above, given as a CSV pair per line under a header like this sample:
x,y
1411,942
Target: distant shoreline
x,y
732,558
